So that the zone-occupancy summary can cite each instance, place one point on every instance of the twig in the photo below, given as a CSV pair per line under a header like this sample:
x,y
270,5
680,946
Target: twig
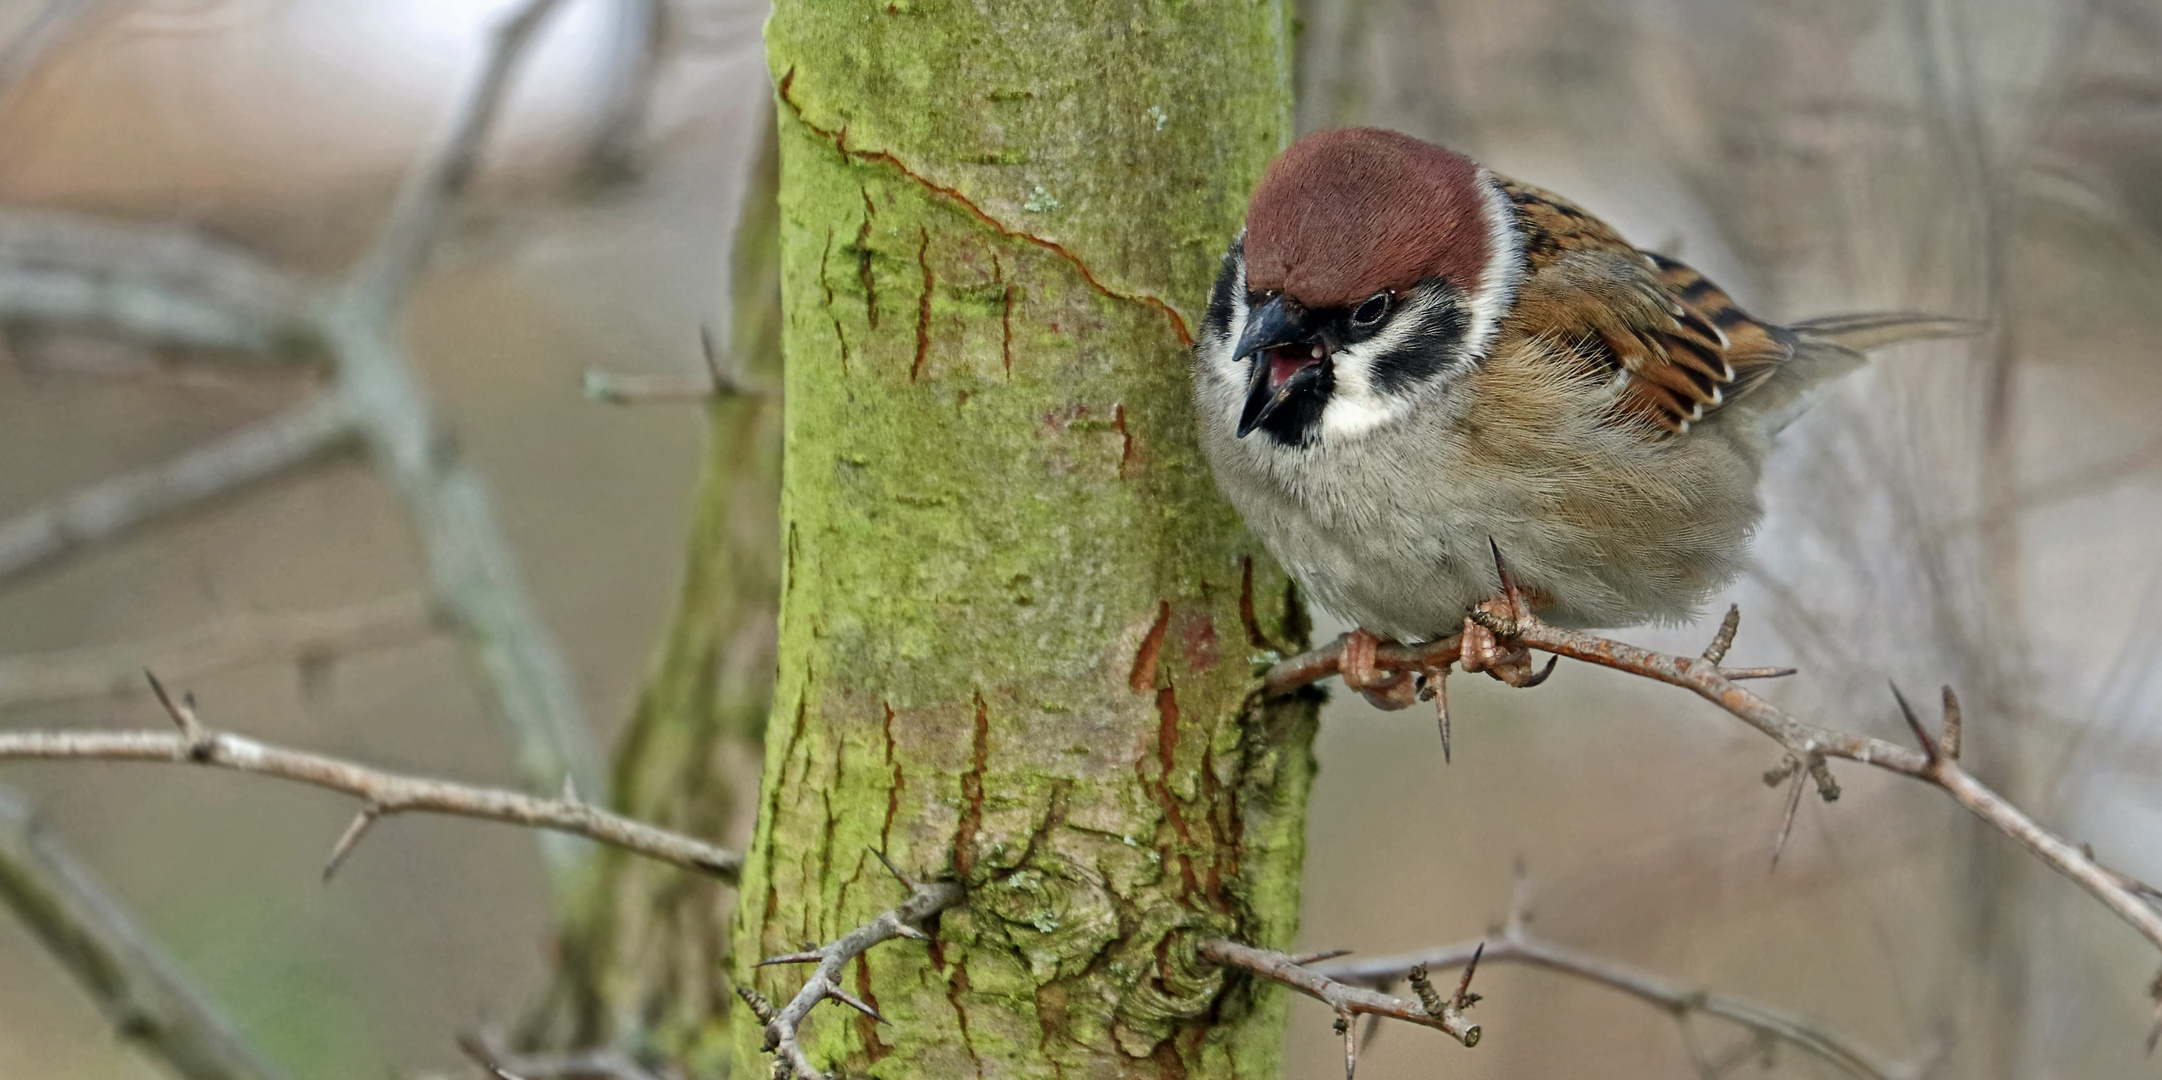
x,y
113,507
142,992
1802,740
1346,1000
782,1025
1514,944
302,637
721,380
381,793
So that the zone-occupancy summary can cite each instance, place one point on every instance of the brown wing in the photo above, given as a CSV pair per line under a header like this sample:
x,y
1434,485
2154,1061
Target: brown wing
x,y
1678,346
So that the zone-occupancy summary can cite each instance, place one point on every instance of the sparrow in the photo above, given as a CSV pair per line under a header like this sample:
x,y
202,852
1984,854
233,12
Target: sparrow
x,y
1411,365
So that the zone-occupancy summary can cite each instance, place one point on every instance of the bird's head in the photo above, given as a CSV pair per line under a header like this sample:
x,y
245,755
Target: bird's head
x,y
1374,269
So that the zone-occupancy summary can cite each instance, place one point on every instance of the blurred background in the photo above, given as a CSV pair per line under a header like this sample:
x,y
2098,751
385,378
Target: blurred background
x,y
1979,513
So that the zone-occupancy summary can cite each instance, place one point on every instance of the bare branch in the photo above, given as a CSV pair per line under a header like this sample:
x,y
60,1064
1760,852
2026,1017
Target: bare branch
x,y
382,793
1806,742
379,283
142,992
111,508
824,983
635,388
300,637
1515,945
165,285
1346,1000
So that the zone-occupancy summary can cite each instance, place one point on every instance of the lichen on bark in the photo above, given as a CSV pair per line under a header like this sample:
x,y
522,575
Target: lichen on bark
x,y
1019,626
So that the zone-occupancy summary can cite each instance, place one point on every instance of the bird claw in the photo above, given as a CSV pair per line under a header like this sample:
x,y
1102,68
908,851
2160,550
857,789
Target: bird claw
x,y
1490,652
1387,691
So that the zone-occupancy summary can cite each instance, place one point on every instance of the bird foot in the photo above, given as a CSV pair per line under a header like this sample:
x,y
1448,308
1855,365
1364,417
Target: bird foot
x,y
1385,690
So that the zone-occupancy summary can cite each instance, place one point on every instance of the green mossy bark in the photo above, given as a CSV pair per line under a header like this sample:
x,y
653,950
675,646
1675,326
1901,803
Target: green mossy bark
x,y
1018,625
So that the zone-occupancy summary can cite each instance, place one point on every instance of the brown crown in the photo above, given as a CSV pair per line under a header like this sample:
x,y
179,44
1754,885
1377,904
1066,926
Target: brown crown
x,y
1344,214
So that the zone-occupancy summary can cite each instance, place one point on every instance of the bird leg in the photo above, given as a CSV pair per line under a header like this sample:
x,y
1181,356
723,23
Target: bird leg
x,y
1385,690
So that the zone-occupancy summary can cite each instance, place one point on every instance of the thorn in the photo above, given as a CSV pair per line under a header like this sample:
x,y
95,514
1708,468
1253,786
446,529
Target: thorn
x,y
806,957
910,932
1786,821
1952,718
1724,639
1740,673
1914,724
894,870
570,790
1351,1045
1440,685
1508,585
183,716
350,839
1303,959
1464,997
834,991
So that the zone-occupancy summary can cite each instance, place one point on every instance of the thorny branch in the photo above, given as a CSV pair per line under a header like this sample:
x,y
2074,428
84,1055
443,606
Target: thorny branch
x,y
925,900
721,380
141,991
381,793
1513,943
1935,763
1350,1002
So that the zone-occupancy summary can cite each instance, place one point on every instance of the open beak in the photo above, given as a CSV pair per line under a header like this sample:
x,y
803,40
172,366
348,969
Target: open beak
x,y
1288,359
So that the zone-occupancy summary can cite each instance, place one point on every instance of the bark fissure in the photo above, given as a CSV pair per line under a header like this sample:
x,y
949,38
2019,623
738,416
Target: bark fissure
x,y
839,138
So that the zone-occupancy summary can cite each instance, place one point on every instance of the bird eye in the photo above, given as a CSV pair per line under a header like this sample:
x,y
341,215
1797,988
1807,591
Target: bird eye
x,y
1371,312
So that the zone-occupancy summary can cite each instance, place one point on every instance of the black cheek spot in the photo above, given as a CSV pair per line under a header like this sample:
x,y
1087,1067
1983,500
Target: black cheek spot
x,y
1425,353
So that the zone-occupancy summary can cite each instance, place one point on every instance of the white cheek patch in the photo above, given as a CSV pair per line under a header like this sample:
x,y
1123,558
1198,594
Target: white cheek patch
x,y
1357,405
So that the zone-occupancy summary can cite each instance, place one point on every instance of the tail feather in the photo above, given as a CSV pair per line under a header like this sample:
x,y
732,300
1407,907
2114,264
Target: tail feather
x,y
1826,348
1861,333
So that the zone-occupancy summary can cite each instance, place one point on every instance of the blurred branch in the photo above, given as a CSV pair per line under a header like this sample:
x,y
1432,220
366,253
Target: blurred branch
x,y
113,507
640,33
925,900
721,380
1935,763
381,793
164,285
472,565
142,992
1515,944
50,28
171,287
378,285
301,637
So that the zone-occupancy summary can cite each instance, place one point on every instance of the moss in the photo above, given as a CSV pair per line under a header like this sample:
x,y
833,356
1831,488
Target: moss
x,y
1012,645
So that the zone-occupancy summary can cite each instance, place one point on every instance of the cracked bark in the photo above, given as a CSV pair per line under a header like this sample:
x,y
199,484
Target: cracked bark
x,y
1015,618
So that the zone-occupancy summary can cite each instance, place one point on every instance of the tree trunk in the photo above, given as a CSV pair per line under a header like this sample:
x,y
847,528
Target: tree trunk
x,y
1018,626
